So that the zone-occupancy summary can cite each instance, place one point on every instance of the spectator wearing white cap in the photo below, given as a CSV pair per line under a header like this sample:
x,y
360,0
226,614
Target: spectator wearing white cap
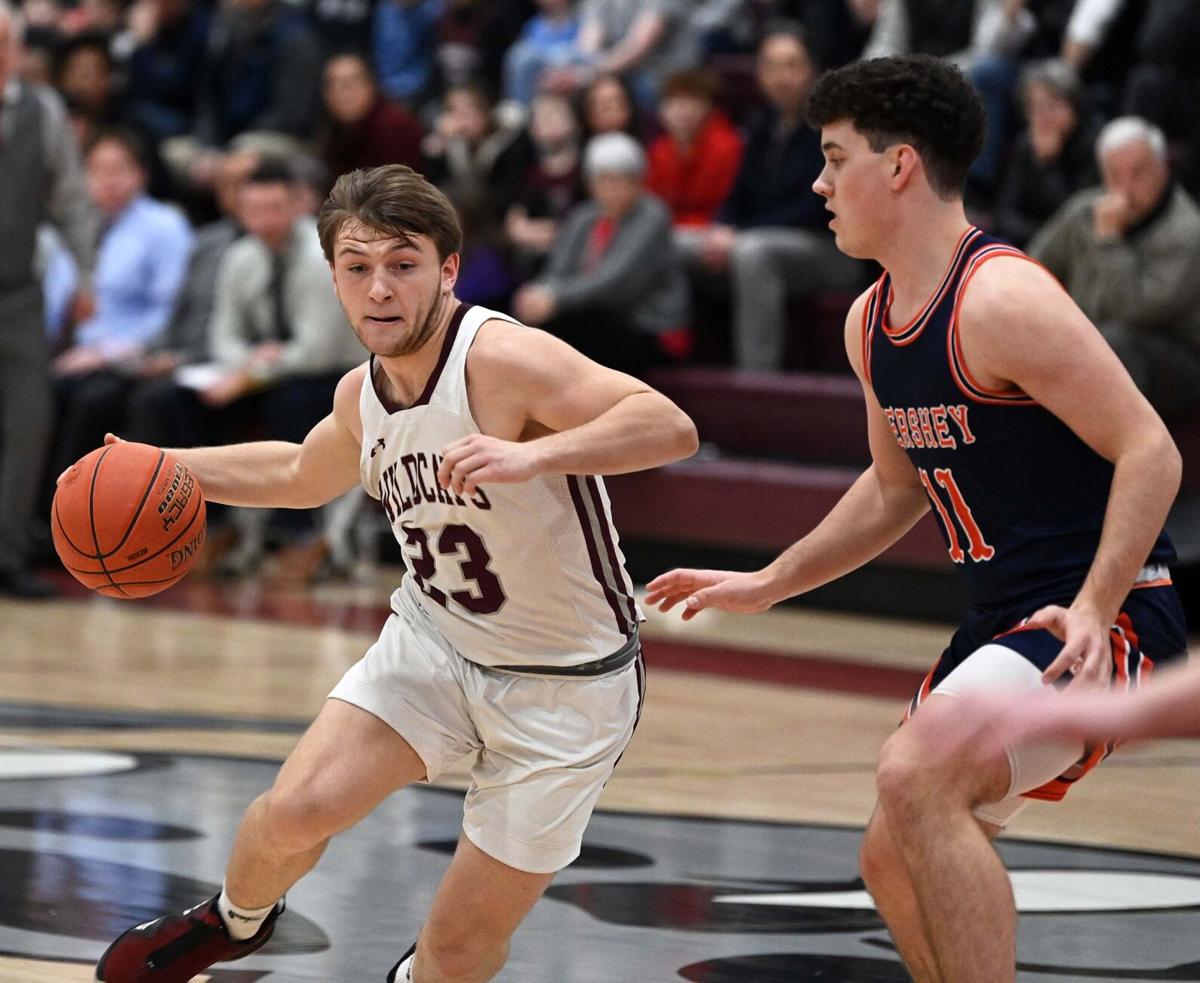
x,y
614,287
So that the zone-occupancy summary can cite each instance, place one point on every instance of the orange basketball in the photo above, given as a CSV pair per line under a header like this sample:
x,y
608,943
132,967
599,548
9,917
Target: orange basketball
x,y
128,520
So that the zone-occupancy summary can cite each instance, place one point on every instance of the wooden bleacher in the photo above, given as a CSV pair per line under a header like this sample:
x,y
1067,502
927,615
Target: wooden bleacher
x,y
778,450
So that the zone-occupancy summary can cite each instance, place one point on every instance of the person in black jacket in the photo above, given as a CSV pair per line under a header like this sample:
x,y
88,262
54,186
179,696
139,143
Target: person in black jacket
x,y
772,234
1052,158
1164,86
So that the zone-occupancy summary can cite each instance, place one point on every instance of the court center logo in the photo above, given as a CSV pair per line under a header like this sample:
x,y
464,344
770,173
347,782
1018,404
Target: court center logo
x,y
709,901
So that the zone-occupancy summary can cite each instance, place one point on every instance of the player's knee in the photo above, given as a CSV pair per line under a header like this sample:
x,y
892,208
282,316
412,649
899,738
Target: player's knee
x,y
902,775
460,954
920,769
878,862
295,820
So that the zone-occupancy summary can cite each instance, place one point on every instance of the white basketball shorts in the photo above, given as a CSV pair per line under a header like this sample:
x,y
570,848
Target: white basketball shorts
x,y
544,746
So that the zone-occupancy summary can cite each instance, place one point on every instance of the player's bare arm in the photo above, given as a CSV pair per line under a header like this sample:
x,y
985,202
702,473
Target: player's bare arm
x,y
1020,329
1167,706
279,474
880,507
543,408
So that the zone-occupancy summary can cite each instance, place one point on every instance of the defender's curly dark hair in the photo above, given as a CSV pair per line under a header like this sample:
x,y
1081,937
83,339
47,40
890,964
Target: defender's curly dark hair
x,y
919,100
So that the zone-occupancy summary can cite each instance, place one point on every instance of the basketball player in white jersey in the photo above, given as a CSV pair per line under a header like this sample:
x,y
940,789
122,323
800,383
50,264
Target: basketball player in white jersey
x,y
513,637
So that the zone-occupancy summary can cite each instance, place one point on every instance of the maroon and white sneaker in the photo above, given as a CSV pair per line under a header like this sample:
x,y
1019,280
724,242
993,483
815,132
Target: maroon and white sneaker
x,y
174,948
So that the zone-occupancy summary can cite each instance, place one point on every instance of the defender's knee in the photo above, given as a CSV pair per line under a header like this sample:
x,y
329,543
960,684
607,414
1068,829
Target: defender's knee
x,y
878,863
902,777
928,766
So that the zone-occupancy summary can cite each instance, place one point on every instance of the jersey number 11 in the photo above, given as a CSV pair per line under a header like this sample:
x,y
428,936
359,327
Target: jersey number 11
x,y
978,546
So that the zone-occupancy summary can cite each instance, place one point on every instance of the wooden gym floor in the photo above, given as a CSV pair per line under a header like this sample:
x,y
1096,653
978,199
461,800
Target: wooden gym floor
x,y
754,757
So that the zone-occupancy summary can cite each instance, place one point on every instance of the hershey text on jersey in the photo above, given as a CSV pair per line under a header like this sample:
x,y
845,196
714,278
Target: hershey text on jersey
x,y
929,426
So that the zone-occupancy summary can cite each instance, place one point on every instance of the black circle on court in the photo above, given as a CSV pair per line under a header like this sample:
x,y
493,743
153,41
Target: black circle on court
x,y
93,826
795,967
693,908
590,857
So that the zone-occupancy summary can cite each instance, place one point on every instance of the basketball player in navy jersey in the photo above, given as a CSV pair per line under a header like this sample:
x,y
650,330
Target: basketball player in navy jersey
x,y
514,636
992,400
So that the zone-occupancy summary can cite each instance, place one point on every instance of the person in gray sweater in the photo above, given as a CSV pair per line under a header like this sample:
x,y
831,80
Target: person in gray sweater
x,y
614,287
1127,253
41,179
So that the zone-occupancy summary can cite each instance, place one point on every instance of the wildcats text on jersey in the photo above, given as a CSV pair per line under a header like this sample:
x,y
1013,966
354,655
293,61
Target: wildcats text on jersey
x,y
930,426
412,480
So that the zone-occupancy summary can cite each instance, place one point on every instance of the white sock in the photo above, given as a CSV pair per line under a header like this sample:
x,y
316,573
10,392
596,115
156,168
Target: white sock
x,y
241,923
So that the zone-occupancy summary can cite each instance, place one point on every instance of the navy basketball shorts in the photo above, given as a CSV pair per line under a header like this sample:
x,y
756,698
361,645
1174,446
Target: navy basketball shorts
x,y
993,648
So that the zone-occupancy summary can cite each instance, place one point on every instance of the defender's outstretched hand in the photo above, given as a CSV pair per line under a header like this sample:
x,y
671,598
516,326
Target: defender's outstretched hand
x,y
741,593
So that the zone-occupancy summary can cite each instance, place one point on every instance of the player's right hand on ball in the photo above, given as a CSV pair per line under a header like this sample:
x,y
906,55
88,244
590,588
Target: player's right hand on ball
x,y
741,593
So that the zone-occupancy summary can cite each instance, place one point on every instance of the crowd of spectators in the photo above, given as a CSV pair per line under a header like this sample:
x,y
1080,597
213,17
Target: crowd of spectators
x,y
623,168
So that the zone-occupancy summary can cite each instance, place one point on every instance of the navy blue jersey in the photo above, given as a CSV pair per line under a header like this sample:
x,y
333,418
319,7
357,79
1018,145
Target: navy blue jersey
x,y
1019,497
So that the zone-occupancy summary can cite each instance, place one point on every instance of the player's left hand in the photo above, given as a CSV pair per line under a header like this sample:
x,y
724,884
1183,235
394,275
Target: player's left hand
x,y
1086,651
478,460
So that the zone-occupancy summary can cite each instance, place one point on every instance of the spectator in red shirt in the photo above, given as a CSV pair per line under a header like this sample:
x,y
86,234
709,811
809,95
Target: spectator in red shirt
x,y
692,165
364,129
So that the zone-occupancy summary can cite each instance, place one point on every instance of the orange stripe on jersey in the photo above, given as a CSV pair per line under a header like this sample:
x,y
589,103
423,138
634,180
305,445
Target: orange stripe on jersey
x,y
1053,791
909,333
1119,646
1023,626
1143,664
959,371
1161,582
868,326
922,693
1130,666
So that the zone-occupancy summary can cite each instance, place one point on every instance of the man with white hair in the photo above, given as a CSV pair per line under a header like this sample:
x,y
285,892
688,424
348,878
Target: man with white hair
x,y
1128,252
614,287
41,178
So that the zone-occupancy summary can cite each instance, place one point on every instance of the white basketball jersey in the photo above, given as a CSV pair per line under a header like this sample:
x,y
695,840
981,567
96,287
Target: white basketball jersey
x,y
517,575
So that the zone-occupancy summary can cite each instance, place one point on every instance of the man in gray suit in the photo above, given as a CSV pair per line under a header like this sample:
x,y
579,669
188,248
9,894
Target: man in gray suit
x,y
41,179
614,287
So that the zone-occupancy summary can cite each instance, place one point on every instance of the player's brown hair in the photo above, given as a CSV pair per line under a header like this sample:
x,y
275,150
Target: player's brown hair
x,y
393,199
